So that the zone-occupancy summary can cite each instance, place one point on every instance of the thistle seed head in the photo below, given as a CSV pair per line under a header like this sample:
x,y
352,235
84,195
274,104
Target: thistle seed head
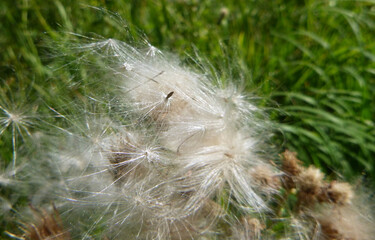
x,y
292,167
310,182
339,193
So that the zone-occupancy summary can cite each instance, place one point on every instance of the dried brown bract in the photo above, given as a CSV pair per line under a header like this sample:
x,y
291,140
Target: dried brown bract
x,y
339,193
249,228
349,222
330,232
47,226
310,182
291,166
266,179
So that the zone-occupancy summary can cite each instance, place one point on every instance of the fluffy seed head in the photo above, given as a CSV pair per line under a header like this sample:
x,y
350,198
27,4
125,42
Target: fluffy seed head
x,y
340,193
266,179
166,147
291,166
345,223
310,182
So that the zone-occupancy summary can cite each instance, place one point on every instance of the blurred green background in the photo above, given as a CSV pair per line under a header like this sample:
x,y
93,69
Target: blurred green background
x,y
312,62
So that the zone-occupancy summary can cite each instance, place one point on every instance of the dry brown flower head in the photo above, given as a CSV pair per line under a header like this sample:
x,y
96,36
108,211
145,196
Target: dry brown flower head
x,y
310,182
346,222
47,226
340,193
291,166
252,228
265,178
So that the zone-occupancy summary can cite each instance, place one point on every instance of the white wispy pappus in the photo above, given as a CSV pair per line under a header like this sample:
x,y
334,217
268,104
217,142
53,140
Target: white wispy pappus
x,y
173,143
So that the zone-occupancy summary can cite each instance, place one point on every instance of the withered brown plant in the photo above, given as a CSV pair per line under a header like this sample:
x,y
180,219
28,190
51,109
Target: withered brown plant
x,y
46,226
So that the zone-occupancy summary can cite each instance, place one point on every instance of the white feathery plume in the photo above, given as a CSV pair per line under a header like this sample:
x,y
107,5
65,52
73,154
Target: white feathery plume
x,y
173,142
17,120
